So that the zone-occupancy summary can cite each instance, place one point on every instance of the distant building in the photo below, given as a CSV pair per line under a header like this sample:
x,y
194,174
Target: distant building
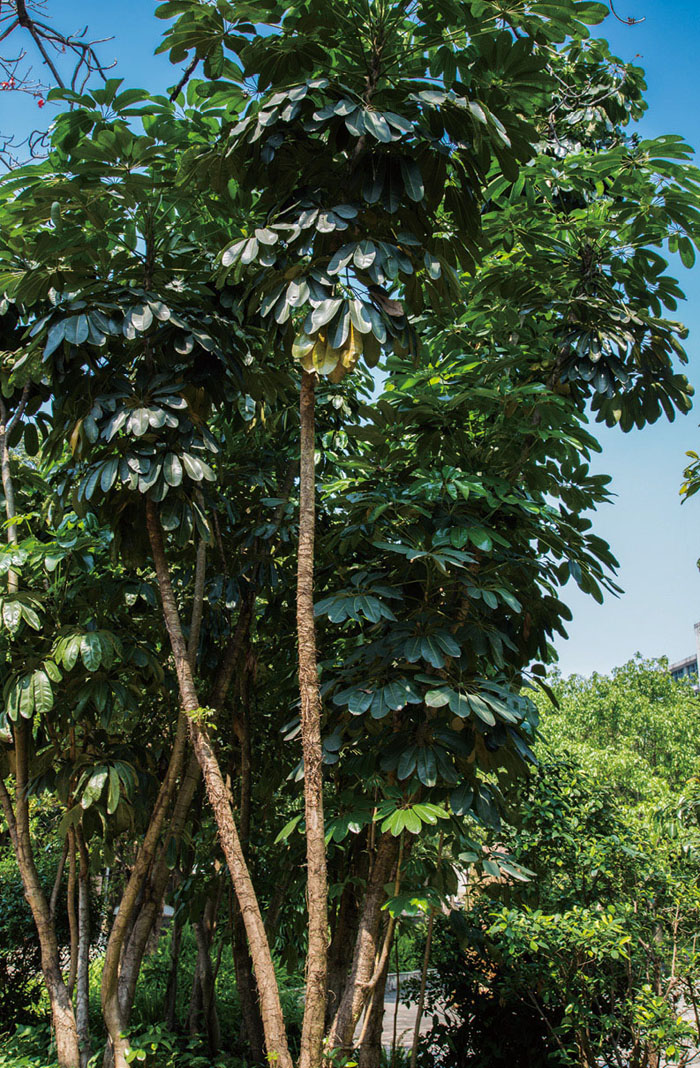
x,y
688,668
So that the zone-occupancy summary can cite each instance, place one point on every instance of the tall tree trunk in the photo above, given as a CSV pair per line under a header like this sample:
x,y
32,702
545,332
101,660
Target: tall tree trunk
x,y
71,905
345,925
367,943
423,982
316,875
220,801
53,900
82,993
63,1017
203,1012
251,1021
171,989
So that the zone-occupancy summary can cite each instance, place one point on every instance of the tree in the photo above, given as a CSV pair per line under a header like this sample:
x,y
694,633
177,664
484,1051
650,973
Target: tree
x,y
379,184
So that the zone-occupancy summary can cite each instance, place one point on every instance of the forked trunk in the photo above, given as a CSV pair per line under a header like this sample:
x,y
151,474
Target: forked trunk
x,y
367,946
316,875
220,801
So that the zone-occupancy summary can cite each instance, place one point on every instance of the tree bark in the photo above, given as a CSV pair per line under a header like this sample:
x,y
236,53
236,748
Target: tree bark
x,y
367,942
344,934
251,1021
220,801
371,1039
316,874
82,993
72,912
63,1017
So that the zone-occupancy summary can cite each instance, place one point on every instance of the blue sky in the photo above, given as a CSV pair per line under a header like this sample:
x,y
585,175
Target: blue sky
x,y
656,540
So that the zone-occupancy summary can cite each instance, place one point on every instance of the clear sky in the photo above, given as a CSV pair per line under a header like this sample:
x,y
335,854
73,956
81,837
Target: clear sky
x,y
655,539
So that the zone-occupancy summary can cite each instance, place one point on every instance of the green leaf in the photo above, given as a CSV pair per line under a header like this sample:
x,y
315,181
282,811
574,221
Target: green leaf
x,y
437,698
412,179
376,124
114,791
324,312
394,694
431,651
109,474
172,469
359,702
31,439
459,704
481,709
94,787
287,829
91,650
11,614
461,799
77,329
407,763
426,768
43,693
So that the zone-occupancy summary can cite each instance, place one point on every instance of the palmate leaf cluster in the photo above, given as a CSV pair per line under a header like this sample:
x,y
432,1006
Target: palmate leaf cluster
x,y
447,216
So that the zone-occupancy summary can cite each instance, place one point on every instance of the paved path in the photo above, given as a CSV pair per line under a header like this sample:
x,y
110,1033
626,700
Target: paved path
x,y
405,1022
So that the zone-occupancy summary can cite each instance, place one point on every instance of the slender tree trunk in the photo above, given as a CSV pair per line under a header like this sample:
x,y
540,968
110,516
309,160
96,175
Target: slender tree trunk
x,y
220,801
63,1017
359,984
203,1013
251,1022
421,995
316,875
71,903
53,900
171,989
82,996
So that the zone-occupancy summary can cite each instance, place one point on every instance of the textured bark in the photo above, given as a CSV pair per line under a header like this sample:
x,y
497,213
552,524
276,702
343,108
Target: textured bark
x,y
72,908
82,991
221,803
63,1017
316,874
367,943
344,934
371,1040
251,1020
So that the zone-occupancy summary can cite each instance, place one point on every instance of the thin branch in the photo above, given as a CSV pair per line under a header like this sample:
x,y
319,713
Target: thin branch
x,y
187,74
629,21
